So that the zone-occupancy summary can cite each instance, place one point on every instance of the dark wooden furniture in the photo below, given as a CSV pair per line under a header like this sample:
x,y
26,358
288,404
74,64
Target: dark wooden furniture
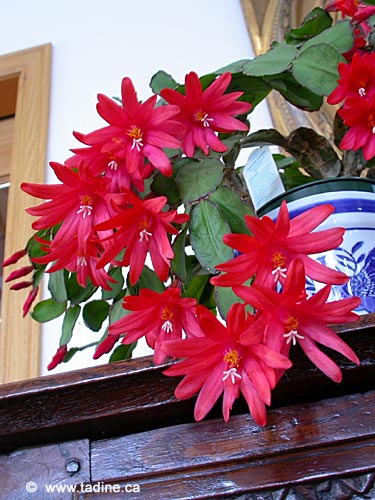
x,y
119,427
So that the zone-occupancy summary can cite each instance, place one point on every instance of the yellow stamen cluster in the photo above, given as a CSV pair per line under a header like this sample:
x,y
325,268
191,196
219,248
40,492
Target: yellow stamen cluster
x,y
291,324
166,314
232,358
135,133
278,260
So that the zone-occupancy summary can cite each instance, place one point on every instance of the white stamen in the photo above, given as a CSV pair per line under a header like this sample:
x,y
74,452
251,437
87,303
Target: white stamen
x,y
81,261
373,129
292,336
137,144
113,165
362,91
206,120
85,210
279,271
232,373
144,234
167,326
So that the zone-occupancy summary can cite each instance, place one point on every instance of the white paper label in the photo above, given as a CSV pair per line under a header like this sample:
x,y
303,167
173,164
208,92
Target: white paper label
x,y
262,177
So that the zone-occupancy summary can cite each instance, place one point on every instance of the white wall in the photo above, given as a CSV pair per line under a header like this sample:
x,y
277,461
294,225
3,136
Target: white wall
x,y
98,42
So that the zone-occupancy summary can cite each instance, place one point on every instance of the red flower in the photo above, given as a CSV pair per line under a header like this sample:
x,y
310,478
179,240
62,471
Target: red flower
x,y
347,7
136,131
79,202
156,316
111,165
359,115
351,8
272,247
82,261
229,359
205,112
292,318
142,228
357,78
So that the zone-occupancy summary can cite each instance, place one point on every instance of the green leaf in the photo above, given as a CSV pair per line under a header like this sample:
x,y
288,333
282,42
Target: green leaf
x,y
115,273
264,137
316,68
56,285
70,318
48,309
207,229
295,93
123,351
166,186
94,313
178,262
339,36
232,208
76,293
274,61
196,286
254,88
148,279
314,23
117,312
207,175
225,298
234,67
162,80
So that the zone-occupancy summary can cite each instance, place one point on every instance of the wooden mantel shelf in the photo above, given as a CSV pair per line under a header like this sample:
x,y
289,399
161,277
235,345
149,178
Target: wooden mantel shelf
x,y
120,425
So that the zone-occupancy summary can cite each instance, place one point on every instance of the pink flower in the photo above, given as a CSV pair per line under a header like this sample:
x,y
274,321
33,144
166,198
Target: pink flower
x,y
141,227
136,132
156,316
227,359
19,273
58,357
14,258
205,112
30,300
292,318
273,245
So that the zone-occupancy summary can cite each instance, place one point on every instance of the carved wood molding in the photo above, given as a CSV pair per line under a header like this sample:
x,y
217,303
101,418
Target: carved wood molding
x,y
338,488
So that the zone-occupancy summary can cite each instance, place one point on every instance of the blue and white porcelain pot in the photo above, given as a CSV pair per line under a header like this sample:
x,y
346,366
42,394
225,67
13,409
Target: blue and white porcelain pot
x,y
354,202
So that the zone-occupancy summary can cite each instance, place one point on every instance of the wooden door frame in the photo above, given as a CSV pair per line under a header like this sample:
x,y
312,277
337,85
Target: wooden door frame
x,y
20,338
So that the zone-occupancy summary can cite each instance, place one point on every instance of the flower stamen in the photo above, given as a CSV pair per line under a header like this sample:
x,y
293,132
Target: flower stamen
x,y
144,234
144,225
279,262
291,332
113,165
201,116
232,373
137,135
81,261
167,315
362,91
86,206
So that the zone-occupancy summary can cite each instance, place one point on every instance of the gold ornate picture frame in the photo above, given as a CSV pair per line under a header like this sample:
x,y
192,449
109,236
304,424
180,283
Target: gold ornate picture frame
x,y
267,21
